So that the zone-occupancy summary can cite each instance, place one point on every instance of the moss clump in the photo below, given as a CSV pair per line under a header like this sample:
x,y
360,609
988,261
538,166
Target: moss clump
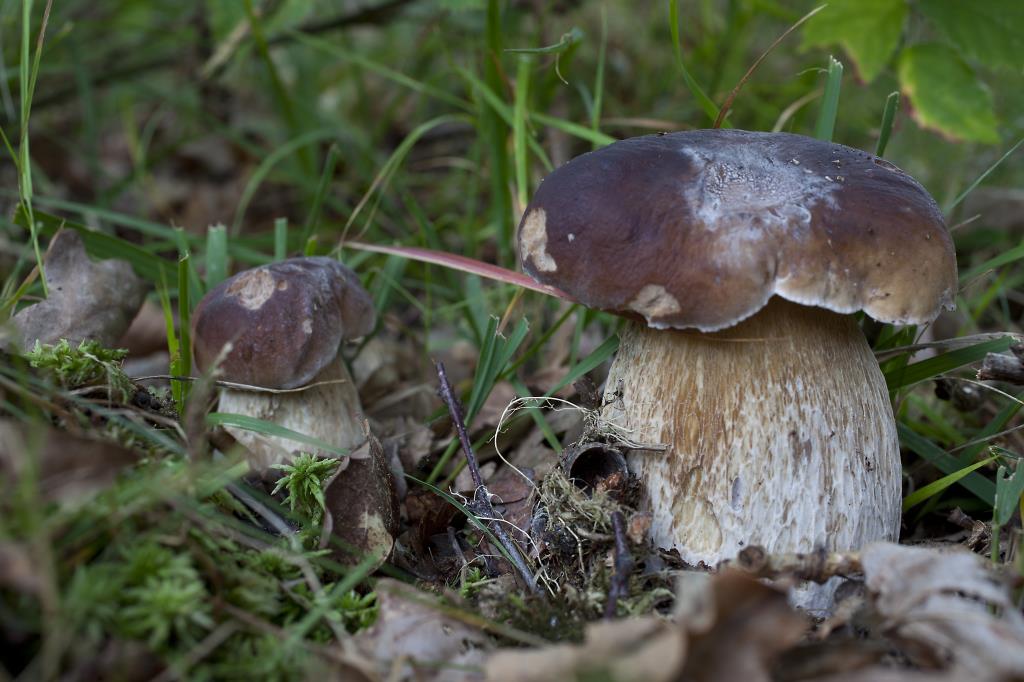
x,y
88,364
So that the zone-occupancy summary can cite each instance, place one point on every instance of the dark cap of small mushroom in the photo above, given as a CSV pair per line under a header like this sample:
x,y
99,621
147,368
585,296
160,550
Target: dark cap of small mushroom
x,y
700,229
285,321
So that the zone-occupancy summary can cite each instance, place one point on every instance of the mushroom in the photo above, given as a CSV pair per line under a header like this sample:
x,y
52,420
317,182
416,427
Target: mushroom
x,y
285,323
738,256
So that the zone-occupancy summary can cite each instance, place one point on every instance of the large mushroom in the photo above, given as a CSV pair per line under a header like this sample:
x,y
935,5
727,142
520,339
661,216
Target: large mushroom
x,y
739,256
280,326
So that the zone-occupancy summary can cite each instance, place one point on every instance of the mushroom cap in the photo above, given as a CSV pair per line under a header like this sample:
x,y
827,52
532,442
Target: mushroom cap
x,y
700,229
285,321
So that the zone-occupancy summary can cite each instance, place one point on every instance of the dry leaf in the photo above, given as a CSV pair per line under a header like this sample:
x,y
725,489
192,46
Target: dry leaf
x,y
147,333
945,608
728,627
415,637
17,570
648,649
752,624
69,469
88,300
362,508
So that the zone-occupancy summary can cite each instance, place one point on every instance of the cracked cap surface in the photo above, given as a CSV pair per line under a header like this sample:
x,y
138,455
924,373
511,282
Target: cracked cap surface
x,y
700,229
285,321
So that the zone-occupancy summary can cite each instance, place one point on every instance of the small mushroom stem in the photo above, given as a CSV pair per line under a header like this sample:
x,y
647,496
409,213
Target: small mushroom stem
x,y
779,430
329,410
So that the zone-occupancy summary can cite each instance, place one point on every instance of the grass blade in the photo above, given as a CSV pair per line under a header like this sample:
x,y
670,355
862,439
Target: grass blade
x,y
321,191
595,107
727,105
596,138
892,103
216,255
830,101
709,107
281,238
935,487
519,123
902,377
248,423
183,366
983,488
981,178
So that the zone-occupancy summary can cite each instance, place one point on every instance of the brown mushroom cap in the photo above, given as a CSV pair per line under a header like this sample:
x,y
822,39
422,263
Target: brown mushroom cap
x,y
700,229
285,321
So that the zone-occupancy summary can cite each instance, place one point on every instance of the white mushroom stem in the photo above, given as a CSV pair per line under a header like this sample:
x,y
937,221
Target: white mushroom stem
x,y
330,412
779,432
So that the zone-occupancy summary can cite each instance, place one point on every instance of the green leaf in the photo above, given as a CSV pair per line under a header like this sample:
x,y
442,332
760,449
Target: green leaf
x,y
271,429
830,101
945,94
983,488
709,107
869,31
908,375
936,487
988,32
1008,491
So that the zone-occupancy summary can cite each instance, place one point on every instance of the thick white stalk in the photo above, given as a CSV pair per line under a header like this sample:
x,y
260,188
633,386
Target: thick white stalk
x,y
330,412
779,430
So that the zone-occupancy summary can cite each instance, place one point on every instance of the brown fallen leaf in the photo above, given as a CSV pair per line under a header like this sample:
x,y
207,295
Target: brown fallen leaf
x,y
740,631
88,300
17,570
945,609
728,627
69,469
649,649
147,333
414,640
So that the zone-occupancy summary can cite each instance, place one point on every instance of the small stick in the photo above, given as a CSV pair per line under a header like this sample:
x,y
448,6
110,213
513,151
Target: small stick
x,y
816,566
619,588
481,504
1000,367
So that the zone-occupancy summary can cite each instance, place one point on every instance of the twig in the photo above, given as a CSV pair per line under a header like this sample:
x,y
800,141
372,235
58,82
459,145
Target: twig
x,y
817,566
481,504
1001,367
619,588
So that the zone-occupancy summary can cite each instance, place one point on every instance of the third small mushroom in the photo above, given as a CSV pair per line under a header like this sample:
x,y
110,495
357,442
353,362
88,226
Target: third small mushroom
x,y
738,258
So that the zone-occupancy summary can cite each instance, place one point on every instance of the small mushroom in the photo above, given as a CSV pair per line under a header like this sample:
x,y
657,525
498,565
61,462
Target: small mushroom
x,y
285,323
777,419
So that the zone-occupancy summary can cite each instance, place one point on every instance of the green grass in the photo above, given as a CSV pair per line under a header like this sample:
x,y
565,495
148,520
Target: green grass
x,y
196,139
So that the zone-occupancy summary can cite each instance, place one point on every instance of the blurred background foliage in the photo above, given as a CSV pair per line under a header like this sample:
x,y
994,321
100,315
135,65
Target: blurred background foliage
x,y
173,110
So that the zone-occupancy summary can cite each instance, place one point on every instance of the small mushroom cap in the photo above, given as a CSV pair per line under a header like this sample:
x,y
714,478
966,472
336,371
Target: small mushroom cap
x,y
285,321
700,229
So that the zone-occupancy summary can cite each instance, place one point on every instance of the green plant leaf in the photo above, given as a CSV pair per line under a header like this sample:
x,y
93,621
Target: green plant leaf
x,y
869,31
271,429
1009,488
982,487
908,375
945,94
936,487
988,32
